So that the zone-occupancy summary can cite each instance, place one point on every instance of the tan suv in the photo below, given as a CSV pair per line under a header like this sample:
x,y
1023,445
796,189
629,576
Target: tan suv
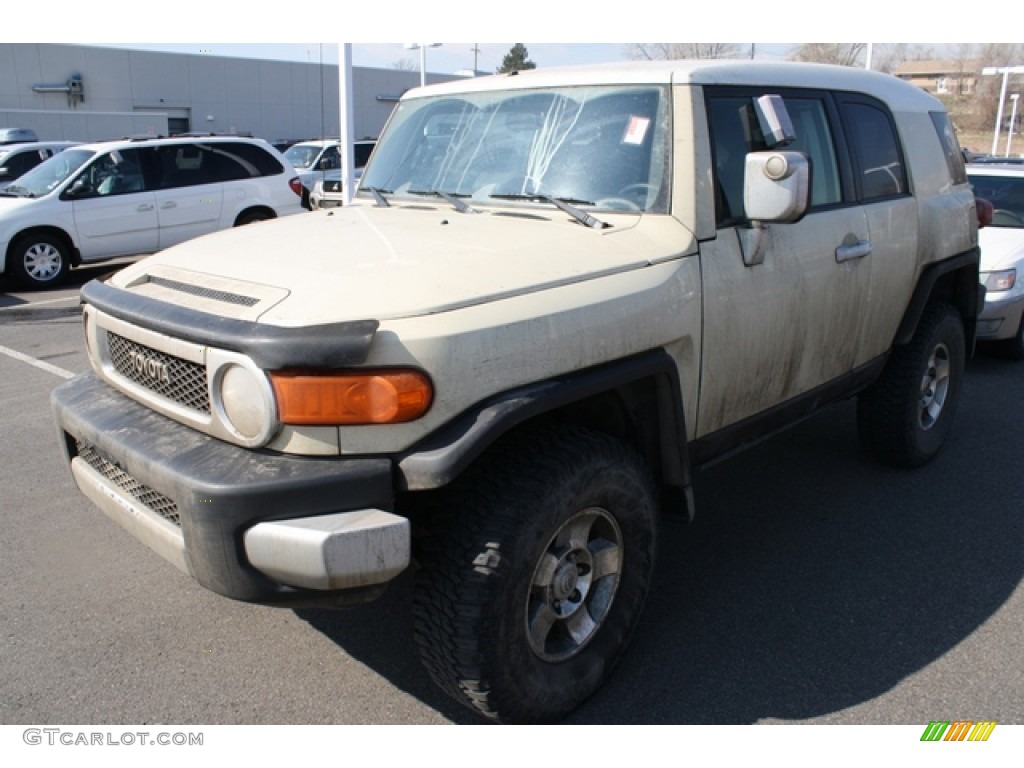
x,y
555,294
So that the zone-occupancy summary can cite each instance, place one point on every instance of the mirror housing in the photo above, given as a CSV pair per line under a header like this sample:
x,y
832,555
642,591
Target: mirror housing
x,y
776,186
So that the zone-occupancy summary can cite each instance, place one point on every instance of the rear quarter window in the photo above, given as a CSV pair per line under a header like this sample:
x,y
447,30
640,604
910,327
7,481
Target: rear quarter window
x,y
950,146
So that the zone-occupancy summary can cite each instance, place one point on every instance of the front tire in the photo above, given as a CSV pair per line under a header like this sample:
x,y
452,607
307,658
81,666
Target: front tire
x,y
535,574
904,417
39,261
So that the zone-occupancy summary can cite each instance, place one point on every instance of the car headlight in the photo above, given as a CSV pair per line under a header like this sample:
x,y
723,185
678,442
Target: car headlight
x,y
245,402
999,281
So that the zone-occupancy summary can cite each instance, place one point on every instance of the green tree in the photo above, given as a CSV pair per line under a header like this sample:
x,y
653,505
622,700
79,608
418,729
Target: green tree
x,y
515,60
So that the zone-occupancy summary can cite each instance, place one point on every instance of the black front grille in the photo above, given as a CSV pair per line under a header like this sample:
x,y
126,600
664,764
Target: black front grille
x,y
178,380
144,495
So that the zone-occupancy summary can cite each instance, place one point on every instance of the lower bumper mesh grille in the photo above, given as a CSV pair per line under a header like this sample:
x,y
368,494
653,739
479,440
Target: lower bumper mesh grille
x,y
144,495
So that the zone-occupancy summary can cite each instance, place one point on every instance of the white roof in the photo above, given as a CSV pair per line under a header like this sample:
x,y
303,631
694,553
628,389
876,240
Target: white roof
x,y
701,72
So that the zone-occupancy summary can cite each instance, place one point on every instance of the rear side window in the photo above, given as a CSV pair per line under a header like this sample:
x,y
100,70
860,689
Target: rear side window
x,y
880,170
184,165
361,154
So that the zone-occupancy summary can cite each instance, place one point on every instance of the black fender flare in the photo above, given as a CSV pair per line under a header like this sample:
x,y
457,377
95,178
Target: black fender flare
x,y
442,456
968,294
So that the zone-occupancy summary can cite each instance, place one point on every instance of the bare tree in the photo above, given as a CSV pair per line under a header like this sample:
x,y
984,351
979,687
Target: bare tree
x,y
990,87
406,65
668,51
845,54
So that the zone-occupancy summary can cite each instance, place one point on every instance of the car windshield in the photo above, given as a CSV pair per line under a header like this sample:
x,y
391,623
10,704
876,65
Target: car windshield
x,y
302,155
602,146
49,174
1006,193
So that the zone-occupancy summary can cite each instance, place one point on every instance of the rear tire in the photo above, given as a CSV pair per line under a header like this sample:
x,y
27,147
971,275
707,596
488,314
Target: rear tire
x,y
535,574
904,417
251,217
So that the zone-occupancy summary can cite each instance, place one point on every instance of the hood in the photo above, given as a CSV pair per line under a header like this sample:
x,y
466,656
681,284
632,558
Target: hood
x,y
364,262
1001,247
13,203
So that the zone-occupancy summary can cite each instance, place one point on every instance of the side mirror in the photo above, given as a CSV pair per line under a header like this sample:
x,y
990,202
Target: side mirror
x,y
776,186
79,188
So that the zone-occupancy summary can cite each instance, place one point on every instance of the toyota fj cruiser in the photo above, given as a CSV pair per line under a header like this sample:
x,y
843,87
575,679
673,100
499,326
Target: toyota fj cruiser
x,y
555,295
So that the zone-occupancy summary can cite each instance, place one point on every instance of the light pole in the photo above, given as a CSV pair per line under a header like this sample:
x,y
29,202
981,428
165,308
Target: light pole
x,y
1013,117
1005,72
422,48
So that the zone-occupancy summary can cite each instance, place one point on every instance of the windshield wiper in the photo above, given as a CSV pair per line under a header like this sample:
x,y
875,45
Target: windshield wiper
x,y
378,195
16,191
460,205
567,204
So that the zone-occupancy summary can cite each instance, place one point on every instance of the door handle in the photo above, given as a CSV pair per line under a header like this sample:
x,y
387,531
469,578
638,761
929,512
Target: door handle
x,y
168,204
857,250
145,207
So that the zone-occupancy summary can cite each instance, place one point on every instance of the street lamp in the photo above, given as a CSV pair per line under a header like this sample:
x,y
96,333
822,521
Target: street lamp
x,y
422,48
1013,118
1005,72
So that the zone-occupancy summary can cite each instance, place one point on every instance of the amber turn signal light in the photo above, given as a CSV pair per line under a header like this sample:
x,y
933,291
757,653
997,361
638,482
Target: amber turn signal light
x,y
366,397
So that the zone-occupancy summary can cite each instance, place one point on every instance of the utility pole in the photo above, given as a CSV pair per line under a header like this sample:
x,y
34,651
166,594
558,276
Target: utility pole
x,y
476,53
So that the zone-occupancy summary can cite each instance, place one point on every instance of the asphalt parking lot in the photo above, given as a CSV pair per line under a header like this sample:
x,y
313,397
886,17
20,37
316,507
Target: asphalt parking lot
x,y
814,587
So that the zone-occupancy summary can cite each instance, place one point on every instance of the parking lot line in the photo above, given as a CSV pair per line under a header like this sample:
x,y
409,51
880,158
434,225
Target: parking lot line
x,y
31,304
40,364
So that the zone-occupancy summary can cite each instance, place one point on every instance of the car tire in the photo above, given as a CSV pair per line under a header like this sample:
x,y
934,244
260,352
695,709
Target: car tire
x,y
904,417
39,261
251,217
535,572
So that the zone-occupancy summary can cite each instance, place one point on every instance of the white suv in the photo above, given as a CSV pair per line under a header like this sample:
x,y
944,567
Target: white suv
x,y
94,202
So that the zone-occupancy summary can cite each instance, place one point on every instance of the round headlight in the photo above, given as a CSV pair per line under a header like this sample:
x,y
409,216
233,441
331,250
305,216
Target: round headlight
x,y
245,403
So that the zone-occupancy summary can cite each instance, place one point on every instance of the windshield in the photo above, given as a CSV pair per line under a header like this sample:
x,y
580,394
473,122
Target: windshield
x,y
1006,193
302,155
603,146
49,174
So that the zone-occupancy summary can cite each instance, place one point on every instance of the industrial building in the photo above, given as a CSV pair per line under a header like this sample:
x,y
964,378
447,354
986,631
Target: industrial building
x,y
90,93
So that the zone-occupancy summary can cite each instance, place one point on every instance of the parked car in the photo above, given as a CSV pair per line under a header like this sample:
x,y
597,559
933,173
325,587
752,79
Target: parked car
x,y
555,295
18,159
996,160
314,158
327,192
94,202
1002,255
17,135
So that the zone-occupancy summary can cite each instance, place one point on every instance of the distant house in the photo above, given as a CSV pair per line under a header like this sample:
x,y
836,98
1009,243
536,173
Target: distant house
x,y
942,77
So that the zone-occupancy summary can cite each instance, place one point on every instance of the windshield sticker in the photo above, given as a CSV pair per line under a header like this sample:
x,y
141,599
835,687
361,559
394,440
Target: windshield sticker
x,y
636,129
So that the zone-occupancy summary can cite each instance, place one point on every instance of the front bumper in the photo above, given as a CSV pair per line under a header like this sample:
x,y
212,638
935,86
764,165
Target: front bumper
x,y
1001,316
250,525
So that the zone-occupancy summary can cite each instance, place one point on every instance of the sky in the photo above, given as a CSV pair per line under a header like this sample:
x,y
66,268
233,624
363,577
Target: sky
x,y
562,33
447,58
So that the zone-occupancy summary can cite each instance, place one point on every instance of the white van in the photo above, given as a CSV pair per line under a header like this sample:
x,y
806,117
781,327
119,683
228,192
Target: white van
x,y
94,202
